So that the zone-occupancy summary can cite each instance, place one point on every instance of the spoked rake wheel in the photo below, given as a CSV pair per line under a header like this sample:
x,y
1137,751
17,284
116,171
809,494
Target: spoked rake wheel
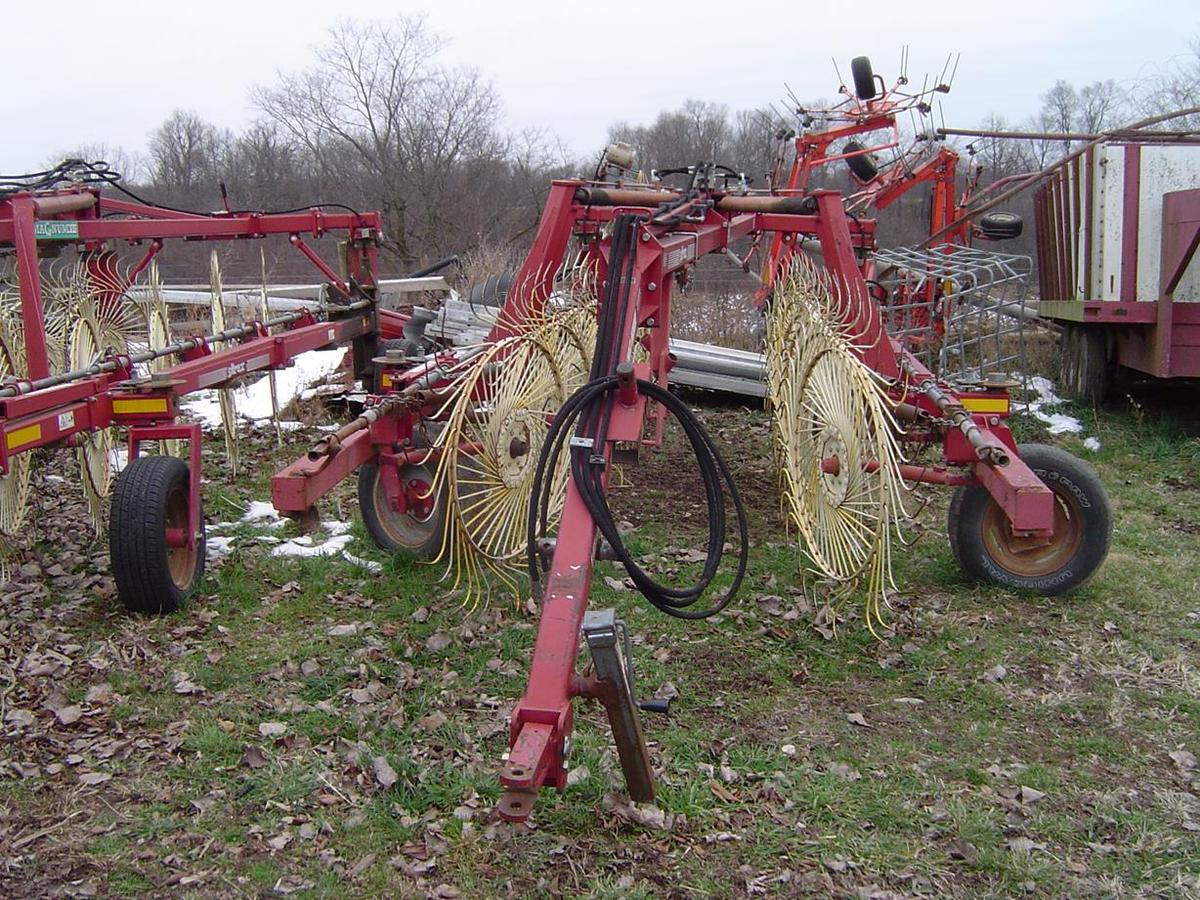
x,y
14,487
224,395
836,439
95,449
491,443
493,431
158,336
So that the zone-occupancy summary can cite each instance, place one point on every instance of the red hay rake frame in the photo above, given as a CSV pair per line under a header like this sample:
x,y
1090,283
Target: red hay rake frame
x,y
675,229
42,409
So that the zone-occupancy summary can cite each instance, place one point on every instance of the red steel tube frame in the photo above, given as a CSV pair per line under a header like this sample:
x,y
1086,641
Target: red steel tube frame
x,y
90,220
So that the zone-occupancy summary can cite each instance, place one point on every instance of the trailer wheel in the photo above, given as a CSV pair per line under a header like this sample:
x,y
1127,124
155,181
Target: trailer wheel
x,y
863,166
986,550
151,498
863,76
415,533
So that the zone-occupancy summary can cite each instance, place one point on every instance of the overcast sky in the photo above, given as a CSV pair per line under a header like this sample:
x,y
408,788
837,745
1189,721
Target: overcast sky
x,y
87,73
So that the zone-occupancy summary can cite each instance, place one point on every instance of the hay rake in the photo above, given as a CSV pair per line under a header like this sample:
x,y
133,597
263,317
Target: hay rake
x,y
83,356
460,448
847,392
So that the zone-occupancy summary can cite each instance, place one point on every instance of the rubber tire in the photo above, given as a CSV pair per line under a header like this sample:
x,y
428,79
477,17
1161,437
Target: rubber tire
x,y
1064,474
863,77
425,542
1001,226
863,167
137,536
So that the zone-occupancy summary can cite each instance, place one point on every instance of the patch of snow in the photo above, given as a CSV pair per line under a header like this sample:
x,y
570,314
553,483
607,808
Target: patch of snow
x,y
370,565
216,548
1092,444
332,547
262,513
1057,423
253,401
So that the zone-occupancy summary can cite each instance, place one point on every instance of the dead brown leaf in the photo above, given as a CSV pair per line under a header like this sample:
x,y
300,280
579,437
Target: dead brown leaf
x,y
384,773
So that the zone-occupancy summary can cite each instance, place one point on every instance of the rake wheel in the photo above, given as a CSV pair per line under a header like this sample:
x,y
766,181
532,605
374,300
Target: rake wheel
x,y
224,395
95,449
494,430
14,487
503,418
158,336
836,440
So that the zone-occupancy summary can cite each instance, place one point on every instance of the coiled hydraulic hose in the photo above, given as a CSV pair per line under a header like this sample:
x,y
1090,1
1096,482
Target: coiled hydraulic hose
x,y
586,414
587,468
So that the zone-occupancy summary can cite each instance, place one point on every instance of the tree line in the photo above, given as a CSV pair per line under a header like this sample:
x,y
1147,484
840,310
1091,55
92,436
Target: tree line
x,y
377,121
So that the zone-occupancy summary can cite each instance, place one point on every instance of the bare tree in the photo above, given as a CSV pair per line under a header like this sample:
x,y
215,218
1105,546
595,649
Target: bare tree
x,y
130,165
999,157
187,155
1173,86
268,169
377,112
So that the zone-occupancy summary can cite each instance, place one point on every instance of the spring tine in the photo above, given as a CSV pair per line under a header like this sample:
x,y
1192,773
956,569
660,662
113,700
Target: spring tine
x,y
265,315
225,396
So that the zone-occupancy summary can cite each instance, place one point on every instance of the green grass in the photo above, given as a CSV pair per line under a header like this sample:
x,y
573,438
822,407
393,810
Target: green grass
x,y
1100,687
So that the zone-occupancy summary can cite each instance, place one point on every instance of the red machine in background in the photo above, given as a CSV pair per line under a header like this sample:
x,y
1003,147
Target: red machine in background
x,y
157,528
1041,524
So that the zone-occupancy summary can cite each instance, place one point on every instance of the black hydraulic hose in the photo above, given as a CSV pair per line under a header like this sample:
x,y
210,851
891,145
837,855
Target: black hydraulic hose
x,y
586,415
587,466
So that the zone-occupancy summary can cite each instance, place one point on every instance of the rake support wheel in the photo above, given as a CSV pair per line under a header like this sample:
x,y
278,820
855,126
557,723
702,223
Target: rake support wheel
x,y
986,549
416,532
149,506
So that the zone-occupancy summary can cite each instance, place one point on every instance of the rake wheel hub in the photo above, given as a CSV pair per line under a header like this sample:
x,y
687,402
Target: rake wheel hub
x,y
835,474
513,434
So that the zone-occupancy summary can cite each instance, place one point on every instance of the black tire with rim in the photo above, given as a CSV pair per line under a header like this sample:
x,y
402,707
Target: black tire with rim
x,y
864,77
418,535
1001,226
863,166
151,495
986,550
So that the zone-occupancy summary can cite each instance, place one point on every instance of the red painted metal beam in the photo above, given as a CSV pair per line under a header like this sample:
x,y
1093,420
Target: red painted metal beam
x,y
1027,502
1180,238
1131,191
298,487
